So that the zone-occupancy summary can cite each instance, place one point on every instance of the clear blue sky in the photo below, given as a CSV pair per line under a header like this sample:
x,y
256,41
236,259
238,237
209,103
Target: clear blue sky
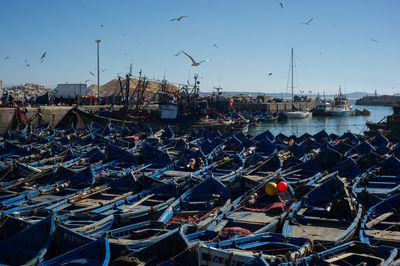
x,y
253,38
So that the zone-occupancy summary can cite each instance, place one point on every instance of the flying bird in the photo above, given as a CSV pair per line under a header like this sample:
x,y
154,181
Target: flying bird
x,y
178,19
91,73
86,80
215,45
6,58
308,22
372,39
177,54
28,65
269,74
101,25
282,5
43,57
194,63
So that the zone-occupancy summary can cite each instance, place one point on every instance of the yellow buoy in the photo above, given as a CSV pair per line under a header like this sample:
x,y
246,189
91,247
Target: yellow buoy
x,y
271,189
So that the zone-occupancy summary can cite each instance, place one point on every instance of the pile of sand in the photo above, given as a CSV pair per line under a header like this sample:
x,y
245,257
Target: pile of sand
x,y
113,88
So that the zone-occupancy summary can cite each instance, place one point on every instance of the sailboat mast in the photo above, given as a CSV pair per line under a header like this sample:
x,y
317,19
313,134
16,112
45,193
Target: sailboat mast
x,y
292,73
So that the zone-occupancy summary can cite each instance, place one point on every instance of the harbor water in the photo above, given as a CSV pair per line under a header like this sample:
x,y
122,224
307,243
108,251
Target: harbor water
x,y
337,125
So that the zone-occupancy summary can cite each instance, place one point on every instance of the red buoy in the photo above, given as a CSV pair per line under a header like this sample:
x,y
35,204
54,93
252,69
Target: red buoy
x,y
282,186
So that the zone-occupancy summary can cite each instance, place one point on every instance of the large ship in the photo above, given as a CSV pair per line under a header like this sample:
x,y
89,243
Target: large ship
x,y
341,106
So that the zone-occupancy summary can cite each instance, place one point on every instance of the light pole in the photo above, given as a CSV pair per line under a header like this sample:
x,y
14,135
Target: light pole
x,y
98,70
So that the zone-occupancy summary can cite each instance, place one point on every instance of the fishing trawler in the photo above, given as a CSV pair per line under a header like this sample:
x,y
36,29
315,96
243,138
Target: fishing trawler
x,y
341,106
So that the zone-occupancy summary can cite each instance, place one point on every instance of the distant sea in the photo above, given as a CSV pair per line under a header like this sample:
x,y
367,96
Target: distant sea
x,y
337,125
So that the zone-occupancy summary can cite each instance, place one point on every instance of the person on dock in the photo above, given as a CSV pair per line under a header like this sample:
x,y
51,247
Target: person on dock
x,y
39,117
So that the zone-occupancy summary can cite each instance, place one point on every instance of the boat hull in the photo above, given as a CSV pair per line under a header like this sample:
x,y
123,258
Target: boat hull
x,y
297,114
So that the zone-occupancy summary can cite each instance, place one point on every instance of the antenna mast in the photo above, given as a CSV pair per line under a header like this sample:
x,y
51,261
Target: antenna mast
x,y
292,73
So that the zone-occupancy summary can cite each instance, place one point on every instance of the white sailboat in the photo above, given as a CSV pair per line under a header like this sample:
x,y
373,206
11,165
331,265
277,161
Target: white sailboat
x,y
295,113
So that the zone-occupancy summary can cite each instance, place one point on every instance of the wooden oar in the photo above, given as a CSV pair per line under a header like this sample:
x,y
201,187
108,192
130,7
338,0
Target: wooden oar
x,y
292,172
138,203
99,205
93,225
379,219
326,177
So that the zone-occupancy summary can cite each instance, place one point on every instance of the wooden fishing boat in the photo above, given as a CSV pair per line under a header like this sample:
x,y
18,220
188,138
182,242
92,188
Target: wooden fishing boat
x,y
378,182
93,253
135,236
29,246
198,206
140,207
380,224
172,246
299,175
351,253
255,211
274,248
328,214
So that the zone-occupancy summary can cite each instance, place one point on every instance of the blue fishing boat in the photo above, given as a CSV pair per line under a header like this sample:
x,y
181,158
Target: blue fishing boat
x,y
380,224
298,175
135,236
198,206
274,248
351,253
172,248
146,205
321,136
265,135
28,246
378,182
349,138
329,213
255,211
93,253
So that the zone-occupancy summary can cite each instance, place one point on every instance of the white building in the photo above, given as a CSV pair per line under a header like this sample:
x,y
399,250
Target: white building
x,y
70,90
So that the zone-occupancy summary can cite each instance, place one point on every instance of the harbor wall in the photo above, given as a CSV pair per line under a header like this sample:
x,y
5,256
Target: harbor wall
x,y
51,114
272,107
7,118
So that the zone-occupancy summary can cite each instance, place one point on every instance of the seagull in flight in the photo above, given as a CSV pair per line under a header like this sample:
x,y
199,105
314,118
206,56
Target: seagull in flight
x,y
178,19
86,80
372,39
194,63
270,74
42,58
101,25
91,73
177,54
28,65
215,45
6,58
308,22
282,5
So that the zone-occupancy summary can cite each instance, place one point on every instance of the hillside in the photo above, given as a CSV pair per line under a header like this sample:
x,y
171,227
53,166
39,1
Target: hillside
x,y
113,88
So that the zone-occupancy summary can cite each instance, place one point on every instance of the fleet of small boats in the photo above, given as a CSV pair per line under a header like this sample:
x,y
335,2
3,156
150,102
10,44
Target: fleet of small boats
x,y
115,194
